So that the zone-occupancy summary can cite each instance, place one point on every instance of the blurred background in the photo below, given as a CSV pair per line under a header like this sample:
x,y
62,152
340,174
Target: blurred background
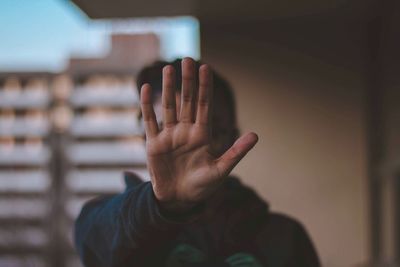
x,y
317,80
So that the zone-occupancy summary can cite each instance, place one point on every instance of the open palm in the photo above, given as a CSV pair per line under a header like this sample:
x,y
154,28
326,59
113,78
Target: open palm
x,y
183,169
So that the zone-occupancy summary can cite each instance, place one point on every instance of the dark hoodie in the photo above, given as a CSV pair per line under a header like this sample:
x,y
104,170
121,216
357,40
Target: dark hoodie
x,y
234,229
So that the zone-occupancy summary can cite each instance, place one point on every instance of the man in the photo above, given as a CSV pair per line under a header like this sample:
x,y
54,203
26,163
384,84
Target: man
x,y
191,213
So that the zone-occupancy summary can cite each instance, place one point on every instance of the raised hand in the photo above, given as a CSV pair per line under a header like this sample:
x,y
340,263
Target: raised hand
x,y
183,169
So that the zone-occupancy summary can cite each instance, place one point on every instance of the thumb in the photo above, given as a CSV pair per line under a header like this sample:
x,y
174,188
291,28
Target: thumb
x,y
235,153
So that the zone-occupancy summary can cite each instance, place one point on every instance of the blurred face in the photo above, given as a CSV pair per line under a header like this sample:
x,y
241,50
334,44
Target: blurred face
x,y
224,131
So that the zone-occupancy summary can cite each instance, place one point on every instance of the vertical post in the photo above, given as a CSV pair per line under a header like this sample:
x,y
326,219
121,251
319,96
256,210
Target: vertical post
x,y
56,220
375,136
397,217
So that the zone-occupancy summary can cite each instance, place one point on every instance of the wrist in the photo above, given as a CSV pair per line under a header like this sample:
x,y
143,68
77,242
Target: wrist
x,y
169,202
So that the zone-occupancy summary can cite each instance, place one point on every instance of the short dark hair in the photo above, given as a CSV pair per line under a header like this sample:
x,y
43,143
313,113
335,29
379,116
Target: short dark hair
x,y
152,74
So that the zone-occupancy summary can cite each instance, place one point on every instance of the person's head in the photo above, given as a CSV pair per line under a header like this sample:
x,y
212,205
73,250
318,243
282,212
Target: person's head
x,y
224,126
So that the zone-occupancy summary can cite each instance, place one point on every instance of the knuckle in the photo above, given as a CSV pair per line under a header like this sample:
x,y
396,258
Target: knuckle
x,y
203,101
168,105
187,97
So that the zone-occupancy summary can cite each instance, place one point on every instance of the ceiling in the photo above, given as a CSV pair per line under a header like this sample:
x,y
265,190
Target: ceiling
x,y
230,11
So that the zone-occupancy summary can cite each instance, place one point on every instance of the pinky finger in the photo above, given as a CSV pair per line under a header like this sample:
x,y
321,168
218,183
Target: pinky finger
x,y
149,117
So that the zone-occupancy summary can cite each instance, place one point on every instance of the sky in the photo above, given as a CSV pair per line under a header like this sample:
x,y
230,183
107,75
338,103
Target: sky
x,y
41,35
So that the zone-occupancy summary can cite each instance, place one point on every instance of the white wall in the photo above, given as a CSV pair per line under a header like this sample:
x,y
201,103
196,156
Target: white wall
x,y
310,160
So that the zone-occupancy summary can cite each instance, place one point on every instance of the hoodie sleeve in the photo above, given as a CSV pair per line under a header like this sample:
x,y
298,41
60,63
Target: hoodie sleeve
x,y
303,253
123,229
287,243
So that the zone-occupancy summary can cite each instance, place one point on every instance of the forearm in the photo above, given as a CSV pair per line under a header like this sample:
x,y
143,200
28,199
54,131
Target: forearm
x,y
126,228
